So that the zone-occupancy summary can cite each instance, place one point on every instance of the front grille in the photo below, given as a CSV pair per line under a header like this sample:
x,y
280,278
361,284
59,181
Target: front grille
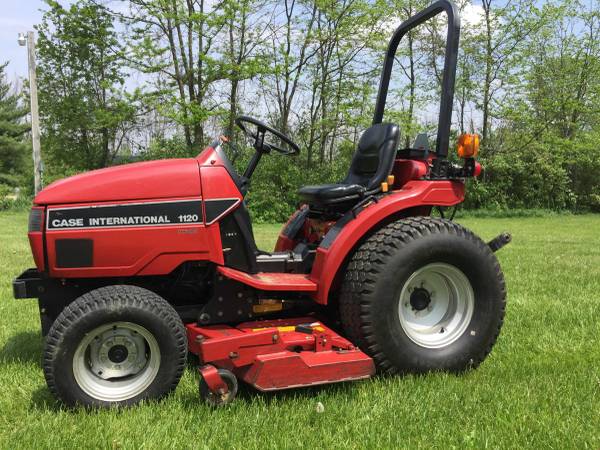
x,y
35,219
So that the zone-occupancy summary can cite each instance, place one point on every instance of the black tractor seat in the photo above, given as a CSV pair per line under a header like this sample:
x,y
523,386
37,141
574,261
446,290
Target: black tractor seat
x,y
331,193
371,164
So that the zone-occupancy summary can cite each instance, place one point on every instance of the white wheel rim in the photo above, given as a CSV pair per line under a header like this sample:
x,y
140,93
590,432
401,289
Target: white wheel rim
x,y
436,305
116,361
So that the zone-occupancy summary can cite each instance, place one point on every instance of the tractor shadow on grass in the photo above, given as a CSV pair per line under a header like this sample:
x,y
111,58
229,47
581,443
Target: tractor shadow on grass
x,y
42,399
23,348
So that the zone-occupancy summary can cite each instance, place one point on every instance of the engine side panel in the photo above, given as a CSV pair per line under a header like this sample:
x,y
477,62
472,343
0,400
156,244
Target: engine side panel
x,y
152,236
128,238
221,195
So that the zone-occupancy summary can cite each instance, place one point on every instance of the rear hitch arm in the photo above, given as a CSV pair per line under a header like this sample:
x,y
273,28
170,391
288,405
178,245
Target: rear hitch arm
x,y
499,241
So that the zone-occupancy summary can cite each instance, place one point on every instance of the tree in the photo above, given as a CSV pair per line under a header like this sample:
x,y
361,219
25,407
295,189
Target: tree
x,y
411,61
12,130
174,43
559,107
84,110
505,29
563,78
339,32
291,50
246,32
528,80
467,67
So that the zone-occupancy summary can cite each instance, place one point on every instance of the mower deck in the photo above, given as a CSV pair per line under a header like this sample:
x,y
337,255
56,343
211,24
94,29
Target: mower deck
x,y
279,354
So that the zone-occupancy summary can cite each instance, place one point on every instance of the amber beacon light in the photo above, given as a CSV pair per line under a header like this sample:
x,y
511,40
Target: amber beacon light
x,y
468,145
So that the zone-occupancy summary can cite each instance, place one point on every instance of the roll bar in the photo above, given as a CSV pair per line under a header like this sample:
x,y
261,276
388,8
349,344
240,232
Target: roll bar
x,y
447,97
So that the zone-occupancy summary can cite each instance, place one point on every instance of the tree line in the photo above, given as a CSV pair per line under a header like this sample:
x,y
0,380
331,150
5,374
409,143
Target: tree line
x,y
124,80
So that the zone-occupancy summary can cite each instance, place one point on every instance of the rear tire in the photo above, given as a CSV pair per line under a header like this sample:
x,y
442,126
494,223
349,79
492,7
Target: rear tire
x,y
423,294
116,345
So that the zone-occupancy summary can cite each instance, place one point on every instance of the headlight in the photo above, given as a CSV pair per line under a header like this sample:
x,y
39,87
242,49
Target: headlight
x,y
36,217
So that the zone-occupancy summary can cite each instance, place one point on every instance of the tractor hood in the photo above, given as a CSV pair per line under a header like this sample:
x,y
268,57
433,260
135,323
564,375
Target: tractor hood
x,y
170,178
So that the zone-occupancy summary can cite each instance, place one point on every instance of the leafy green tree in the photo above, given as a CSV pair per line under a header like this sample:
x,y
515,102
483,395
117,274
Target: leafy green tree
x,y
506,27
246,30
84,110
528,81
558,108
12,130
174,43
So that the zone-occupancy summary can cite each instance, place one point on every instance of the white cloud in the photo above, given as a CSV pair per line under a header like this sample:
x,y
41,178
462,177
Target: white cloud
x,y
14,23
472,15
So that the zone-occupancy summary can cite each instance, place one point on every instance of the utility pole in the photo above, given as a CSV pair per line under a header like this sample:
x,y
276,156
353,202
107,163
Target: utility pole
x,y
35,117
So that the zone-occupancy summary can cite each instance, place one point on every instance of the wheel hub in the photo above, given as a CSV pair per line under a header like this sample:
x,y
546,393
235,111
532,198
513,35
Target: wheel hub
x,y
436,305
420,299
116,361
118,353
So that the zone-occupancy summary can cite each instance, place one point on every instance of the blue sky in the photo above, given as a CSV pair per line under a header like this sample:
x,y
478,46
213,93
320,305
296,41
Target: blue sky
x,y
17,16
21,15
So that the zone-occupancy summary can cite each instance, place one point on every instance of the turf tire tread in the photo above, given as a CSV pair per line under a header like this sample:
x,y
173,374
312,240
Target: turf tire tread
x,y
371,260
109,297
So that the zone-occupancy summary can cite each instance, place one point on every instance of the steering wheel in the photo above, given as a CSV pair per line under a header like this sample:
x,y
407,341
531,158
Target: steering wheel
x,y
259,136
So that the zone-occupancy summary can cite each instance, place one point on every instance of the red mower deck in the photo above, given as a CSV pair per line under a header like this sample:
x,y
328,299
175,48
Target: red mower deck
x,y
280,354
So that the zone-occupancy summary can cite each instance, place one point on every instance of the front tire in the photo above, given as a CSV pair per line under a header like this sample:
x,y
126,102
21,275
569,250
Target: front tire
x,y
423,294
116,345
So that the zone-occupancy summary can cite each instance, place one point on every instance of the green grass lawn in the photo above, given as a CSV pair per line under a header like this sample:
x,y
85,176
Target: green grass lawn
x,y
539,387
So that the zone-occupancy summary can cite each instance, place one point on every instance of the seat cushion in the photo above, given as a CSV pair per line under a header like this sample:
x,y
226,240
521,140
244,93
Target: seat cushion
x,y
374,156
330,193
371,164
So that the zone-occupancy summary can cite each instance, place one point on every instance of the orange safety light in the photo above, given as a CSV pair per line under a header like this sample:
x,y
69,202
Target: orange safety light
x,y
468,145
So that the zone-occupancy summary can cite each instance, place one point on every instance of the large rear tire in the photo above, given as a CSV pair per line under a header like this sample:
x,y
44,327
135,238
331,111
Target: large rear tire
x,y
423,294
116,345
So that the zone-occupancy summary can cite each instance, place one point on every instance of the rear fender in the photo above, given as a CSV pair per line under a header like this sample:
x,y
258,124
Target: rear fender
x,y
341,241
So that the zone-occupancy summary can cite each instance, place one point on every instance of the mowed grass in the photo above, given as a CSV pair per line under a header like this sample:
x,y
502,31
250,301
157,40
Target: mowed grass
x,y
539,387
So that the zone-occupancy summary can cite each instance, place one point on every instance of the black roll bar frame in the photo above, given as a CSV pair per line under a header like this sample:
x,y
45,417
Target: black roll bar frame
x,y
451,55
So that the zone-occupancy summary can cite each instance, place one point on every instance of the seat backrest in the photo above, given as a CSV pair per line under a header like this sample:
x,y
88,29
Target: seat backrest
x,y
374,157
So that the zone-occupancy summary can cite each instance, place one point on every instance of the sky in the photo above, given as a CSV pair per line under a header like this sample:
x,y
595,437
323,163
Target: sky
x,y
17,16
21,15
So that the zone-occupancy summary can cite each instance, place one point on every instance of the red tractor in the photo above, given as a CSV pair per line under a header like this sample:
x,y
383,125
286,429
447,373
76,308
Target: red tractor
x,y
139,264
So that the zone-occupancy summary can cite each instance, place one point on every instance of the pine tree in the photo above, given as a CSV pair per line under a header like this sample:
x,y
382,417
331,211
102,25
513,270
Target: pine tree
x,y
13,148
